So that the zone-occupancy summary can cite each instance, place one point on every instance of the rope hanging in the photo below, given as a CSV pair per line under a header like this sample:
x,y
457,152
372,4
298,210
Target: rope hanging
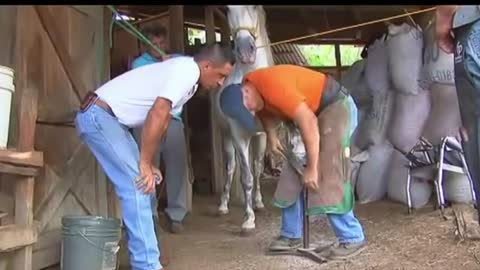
x,y
350,27
128,27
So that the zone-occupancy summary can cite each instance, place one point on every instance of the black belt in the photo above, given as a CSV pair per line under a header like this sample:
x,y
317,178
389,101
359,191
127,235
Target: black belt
x,y
92,98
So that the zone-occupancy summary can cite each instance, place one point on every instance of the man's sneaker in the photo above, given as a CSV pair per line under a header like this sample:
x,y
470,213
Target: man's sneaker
x,y
283,243
175,227
343,251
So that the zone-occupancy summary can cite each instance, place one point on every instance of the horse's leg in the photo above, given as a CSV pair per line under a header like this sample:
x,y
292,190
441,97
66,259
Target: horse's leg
x,y
241,141
258,150
229,151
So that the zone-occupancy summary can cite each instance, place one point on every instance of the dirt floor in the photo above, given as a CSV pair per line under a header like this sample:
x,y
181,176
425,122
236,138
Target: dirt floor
x,y
423,240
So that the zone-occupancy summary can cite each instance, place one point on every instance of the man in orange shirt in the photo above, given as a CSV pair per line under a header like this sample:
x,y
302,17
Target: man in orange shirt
x,y
322,111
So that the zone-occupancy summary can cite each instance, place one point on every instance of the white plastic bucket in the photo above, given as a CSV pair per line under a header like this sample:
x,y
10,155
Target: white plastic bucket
x,y
6,91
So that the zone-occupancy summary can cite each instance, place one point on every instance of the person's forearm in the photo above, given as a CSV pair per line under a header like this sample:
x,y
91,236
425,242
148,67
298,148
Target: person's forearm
x,y
269,124
444,18
308,126
153,130
446,10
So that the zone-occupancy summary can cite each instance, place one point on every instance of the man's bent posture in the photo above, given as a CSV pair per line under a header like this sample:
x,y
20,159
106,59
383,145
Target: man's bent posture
x,y
144,96
321,110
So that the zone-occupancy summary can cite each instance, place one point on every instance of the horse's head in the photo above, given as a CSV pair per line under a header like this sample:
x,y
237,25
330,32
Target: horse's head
x,y
244,24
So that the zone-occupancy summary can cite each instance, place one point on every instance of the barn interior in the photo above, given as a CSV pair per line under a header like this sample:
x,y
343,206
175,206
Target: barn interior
x,y
59,53
303,21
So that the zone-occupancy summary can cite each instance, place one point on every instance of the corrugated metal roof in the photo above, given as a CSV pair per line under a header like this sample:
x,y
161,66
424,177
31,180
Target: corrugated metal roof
x,y
288,54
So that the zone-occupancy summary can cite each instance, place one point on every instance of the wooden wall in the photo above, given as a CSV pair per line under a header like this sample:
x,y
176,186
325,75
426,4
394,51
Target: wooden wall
x,y
60,52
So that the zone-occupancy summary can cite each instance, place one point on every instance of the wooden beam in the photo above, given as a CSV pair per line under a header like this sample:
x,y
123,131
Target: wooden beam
x,y
18,170
338,61
210,24
13,237
27,113
151,18
176,30
32,158
217,163
220,14
199,25
177,44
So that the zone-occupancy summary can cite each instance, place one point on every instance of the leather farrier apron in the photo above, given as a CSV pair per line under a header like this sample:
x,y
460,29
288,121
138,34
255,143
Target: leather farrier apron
x,y
335,194
468,92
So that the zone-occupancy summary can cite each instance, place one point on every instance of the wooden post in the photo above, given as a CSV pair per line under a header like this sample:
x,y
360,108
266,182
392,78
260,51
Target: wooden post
x,y
338,58
24,186
225,32
218,164
113,203
177,44
27,96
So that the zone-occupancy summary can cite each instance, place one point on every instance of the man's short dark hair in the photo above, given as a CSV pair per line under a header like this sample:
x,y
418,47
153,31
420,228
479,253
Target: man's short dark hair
x,y
154,30
216,53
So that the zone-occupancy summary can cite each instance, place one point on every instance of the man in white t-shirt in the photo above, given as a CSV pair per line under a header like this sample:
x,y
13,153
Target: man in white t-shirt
x,y
144,96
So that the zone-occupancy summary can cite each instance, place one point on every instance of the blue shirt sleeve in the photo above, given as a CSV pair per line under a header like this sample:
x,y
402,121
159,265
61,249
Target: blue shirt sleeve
x,y
136,63
143,60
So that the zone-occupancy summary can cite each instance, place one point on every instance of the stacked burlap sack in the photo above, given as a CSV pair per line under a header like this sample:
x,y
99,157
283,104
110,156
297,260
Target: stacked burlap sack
x,y
404,89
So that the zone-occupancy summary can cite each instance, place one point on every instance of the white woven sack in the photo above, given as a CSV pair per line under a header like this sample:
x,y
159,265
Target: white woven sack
x,y
409,116
371,184
444,119
354,81
456,187
420,190
376,67
438,65
374,124
404,48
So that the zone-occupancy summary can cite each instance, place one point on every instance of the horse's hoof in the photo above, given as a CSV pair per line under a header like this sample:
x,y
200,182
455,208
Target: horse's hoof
x,y
247,232
222,212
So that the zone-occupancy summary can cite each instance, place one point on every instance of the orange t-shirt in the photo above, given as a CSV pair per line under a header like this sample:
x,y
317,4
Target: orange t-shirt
x,y
285,87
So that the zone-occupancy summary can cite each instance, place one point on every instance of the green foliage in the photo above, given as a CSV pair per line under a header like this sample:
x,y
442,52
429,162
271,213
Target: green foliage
x,y
350,54
319,55
194,33
324,55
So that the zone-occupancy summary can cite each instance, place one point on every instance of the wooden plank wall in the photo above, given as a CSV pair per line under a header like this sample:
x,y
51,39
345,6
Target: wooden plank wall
x,y
60,53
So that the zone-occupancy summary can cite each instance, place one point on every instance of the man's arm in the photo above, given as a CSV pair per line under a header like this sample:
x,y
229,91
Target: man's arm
x,y
154,128
443,26
269,123
308,125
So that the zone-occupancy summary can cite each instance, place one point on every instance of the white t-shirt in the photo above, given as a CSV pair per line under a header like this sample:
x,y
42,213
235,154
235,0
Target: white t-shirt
x,y
132,94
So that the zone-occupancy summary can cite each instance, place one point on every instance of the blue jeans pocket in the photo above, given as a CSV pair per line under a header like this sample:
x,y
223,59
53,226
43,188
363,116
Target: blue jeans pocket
x,y
86,122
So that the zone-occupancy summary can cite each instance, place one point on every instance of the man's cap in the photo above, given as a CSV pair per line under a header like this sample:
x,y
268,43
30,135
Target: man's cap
x,y
231,103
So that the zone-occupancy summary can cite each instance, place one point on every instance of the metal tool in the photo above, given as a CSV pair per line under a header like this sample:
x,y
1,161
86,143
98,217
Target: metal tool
x,y
313,253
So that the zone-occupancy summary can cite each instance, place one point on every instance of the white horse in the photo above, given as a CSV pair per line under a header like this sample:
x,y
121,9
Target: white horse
x,y
248,28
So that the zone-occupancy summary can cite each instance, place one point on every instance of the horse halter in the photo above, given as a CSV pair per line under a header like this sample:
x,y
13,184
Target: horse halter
x,y
253,31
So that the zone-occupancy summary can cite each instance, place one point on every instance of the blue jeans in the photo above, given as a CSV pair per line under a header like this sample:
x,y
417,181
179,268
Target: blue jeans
x,y
174,154
347,228
115,149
